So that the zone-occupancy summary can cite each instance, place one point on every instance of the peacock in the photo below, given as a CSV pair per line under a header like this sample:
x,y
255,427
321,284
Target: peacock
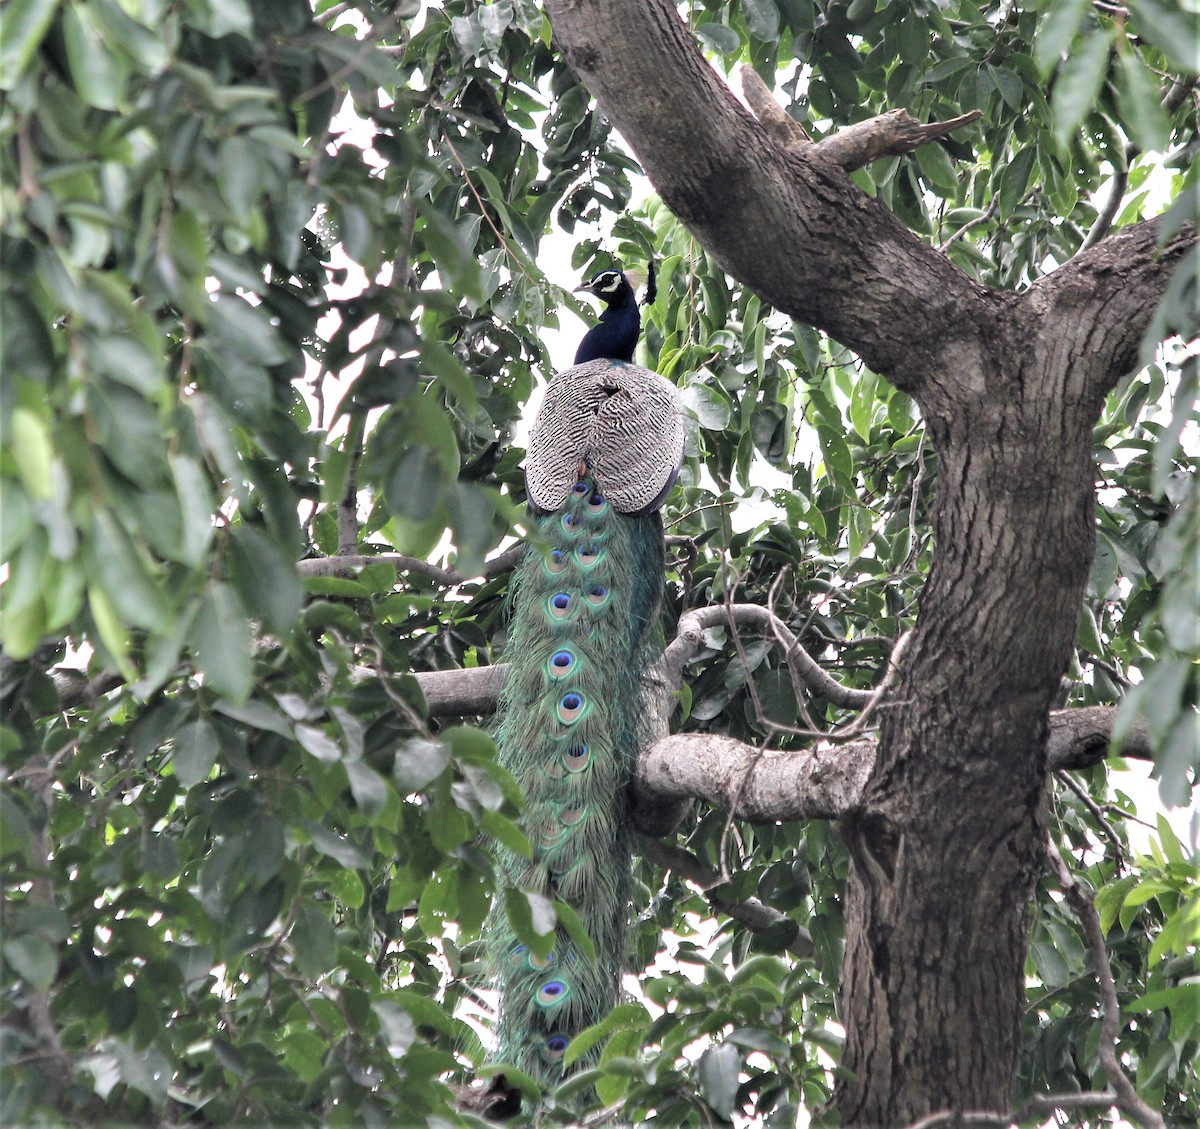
x,y
603,453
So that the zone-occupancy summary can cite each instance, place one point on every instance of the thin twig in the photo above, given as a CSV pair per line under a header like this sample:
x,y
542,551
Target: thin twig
x,y
1098,815
345,565
1125,1096
914,548
987,214
750,912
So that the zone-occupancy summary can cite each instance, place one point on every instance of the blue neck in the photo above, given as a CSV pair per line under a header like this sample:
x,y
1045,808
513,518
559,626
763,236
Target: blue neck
x,y
615,336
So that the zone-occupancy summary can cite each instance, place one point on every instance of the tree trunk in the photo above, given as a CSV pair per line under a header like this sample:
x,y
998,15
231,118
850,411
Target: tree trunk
x,y
948,843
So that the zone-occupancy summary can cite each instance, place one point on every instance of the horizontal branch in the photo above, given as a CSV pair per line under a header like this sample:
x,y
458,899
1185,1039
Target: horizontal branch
x,y
347,565
826,782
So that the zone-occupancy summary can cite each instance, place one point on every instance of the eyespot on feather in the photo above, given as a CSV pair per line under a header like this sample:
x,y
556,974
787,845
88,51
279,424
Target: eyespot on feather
x,y
561,663
552,993
596,503
577,757
555,562
517,956
570,707
573,814
559,605
554,1047
587,555
597,595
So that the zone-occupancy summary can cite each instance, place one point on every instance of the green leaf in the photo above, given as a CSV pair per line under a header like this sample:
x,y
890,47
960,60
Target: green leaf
x,y
196,748
25,24
367,787
623,1017
1056,33
569,920
532,918
1171,28
396,1026
145,1069
113,633
762,19
258,715
98,73
264,574
1138,98
1087,635
34,960
32,451
708,404
336,847
719,1070
313,940
724,40
418,762
1078,84
318,743
195,506
223,643
506,832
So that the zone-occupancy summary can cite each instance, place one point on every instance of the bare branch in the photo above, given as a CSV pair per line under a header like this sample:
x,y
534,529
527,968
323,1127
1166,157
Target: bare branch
x,y
1125,1096
346,565
690,637
785,129
1097,814
825,782
855,145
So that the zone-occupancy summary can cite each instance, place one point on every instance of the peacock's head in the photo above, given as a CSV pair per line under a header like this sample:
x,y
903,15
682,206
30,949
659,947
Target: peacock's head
x,y
610,286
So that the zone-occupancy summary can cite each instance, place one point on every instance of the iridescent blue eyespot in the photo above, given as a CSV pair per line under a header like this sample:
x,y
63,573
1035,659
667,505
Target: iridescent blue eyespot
x,y
560,604
552,993
561,664
597,594
556,1046
556,561
595,503
587,555
570,708
580,488
570,523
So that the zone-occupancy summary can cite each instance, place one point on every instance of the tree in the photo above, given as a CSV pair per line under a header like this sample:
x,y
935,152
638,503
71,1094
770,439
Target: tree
x,y
262,497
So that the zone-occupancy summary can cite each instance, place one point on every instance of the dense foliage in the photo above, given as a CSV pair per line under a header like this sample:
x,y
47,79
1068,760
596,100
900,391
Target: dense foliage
x,y
272,291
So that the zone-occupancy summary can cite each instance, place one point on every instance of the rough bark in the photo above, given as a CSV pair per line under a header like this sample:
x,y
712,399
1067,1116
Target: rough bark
x,y
947,841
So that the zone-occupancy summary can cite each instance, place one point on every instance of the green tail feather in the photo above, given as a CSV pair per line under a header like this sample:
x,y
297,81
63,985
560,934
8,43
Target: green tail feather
x,y
586,599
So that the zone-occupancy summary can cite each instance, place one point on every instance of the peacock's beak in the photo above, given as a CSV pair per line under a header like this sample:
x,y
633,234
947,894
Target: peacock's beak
x,y
586,287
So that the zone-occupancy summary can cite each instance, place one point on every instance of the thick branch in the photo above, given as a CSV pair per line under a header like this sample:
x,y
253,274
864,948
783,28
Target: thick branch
x,y
827,782
793,228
